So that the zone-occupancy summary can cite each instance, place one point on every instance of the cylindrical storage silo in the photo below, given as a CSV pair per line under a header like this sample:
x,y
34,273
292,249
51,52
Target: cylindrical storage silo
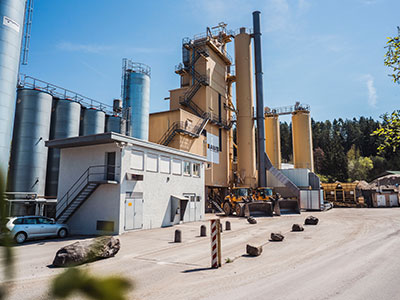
x,y
92,121
273,140
113,124
137,100
65,120
29,153
302,140
246,153
11,29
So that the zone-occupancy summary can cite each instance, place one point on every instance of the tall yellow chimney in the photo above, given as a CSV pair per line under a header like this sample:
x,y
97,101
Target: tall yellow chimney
x,y
244,104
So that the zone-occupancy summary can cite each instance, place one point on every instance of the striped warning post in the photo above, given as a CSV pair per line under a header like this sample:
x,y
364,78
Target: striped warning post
x,y
214,243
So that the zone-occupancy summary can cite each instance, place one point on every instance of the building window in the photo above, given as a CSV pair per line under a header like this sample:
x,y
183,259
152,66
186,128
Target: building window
x,y
186,168
196,170
137,160
165,164
176,166
152,162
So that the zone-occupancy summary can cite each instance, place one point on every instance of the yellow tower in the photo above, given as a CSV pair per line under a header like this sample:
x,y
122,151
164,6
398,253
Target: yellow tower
x,y
273,139
302,140
244,103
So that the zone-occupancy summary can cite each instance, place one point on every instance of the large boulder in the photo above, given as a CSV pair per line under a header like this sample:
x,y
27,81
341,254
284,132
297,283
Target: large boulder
x,y
311,220
277,237
251,220
253,251
86,251
297,227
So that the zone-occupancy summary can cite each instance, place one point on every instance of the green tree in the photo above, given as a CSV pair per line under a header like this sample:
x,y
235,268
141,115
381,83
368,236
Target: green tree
x,y
358,166
392,56
389,132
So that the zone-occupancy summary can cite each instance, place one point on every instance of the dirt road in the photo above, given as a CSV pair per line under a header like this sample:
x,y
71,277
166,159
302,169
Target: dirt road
x,y
350,254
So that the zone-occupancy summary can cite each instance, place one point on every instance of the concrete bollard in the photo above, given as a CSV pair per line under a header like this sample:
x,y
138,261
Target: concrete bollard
x,y
178,236
227,225
203,230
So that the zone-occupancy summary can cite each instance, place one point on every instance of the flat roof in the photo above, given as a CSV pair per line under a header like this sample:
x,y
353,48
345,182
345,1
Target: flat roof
x,y
112,137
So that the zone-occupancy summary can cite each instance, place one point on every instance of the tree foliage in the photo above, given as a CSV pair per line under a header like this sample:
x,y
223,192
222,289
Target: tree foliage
x,y
389,132
358,166
392,56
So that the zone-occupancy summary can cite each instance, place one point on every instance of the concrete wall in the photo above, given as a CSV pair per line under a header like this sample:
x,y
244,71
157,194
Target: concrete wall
x,y
103,204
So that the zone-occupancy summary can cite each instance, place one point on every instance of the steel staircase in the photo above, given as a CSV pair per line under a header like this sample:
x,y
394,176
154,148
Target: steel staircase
x,y
282,178
82,189
181,127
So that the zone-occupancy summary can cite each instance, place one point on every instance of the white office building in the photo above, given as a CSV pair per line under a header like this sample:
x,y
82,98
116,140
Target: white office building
x,y
112,183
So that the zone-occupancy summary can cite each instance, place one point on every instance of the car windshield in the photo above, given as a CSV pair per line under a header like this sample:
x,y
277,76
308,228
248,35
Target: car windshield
x,y
243,192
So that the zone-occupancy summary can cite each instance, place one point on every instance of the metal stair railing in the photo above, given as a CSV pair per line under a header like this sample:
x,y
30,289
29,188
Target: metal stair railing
x,y
282,178
89,176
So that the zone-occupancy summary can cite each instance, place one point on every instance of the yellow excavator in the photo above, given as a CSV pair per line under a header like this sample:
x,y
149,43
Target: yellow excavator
x,y
243,201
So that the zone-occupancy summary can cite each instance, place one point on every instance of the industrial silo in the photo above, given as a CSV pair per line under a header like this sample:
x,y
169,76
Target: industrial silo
x,y
273,139
136,99
29,154
11,29
92,121
113,124
302,140
65,119
244,103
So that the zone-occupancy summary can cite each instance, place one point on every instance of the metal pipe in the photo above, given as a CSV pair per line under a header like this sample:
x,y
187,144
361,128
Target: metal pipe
x,y
261,163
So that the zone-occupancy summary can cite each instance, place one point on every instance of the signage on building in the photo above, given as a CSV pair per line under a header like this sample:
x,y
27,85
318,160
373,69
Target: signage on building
x,y
213,148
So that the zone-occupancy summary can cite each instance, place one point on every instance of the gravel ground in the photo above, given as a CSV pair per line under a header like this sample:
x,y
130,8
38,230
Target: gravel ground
x,y
350,254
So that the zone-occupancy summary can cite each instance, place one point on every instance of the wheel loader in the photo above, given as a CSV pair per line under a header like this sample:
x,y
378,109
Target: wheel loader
x,y
243,202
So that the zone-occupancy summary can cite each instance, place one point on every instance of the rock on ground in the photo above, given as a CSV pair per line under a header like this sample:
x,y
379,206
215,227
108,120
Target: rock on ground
x,y
251,220
311,220
86,251
253,251
277,237
297,227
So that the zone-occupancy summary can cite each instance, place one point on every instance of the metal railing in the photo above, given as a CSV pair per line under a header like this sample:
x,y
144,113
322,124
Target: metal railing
x,y
93,174
287,110
26,81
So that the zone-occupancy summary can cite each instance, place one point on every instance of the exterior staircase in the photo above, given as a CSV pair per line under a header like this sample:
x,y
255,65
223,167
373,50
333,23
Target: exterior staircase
x,y
82,189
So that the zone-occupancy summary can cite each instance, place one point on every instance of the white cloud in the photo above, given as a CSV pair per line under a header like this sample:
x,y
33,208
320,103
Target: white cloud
x,y
86,48
372,95
102,49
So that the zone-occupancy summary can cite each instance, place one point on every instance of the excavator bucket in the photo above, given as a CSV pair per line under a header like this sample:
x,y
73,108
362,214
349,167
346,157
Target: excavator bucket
x,y
287,206
258,208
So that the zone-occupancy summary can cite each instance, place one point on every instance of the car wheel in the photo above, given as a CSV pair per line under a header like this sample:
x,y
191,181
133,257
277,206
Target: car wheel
x,y
20,237
62,233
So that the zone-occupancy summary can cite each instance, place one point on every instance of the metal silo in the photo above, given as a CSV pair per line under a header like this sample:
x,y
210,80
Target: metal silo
x,y
136,98
113,124
302,140
65,119
273,139
11,29
92,121
29,153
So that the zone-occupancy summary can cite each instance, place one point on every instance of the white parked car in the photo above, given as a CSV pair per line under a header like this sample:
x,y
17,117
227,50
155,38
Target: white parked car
x,y
29,227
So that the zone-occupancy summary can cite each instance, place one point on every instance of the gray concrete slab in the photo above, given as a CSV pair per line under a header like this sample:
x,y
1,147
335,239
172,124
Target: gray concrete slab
x,y
350,254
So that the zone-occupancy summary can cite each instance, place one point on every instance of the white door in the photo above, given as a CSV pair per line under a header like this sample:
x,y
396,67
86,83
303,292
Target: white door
x,y
198,208
138,213
393,200
381,200
192,207
129,214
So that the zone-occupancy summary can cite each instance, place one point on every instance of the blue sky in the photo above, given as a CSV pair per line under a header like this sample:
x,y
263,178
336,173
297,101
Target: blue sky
x,y
326,53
